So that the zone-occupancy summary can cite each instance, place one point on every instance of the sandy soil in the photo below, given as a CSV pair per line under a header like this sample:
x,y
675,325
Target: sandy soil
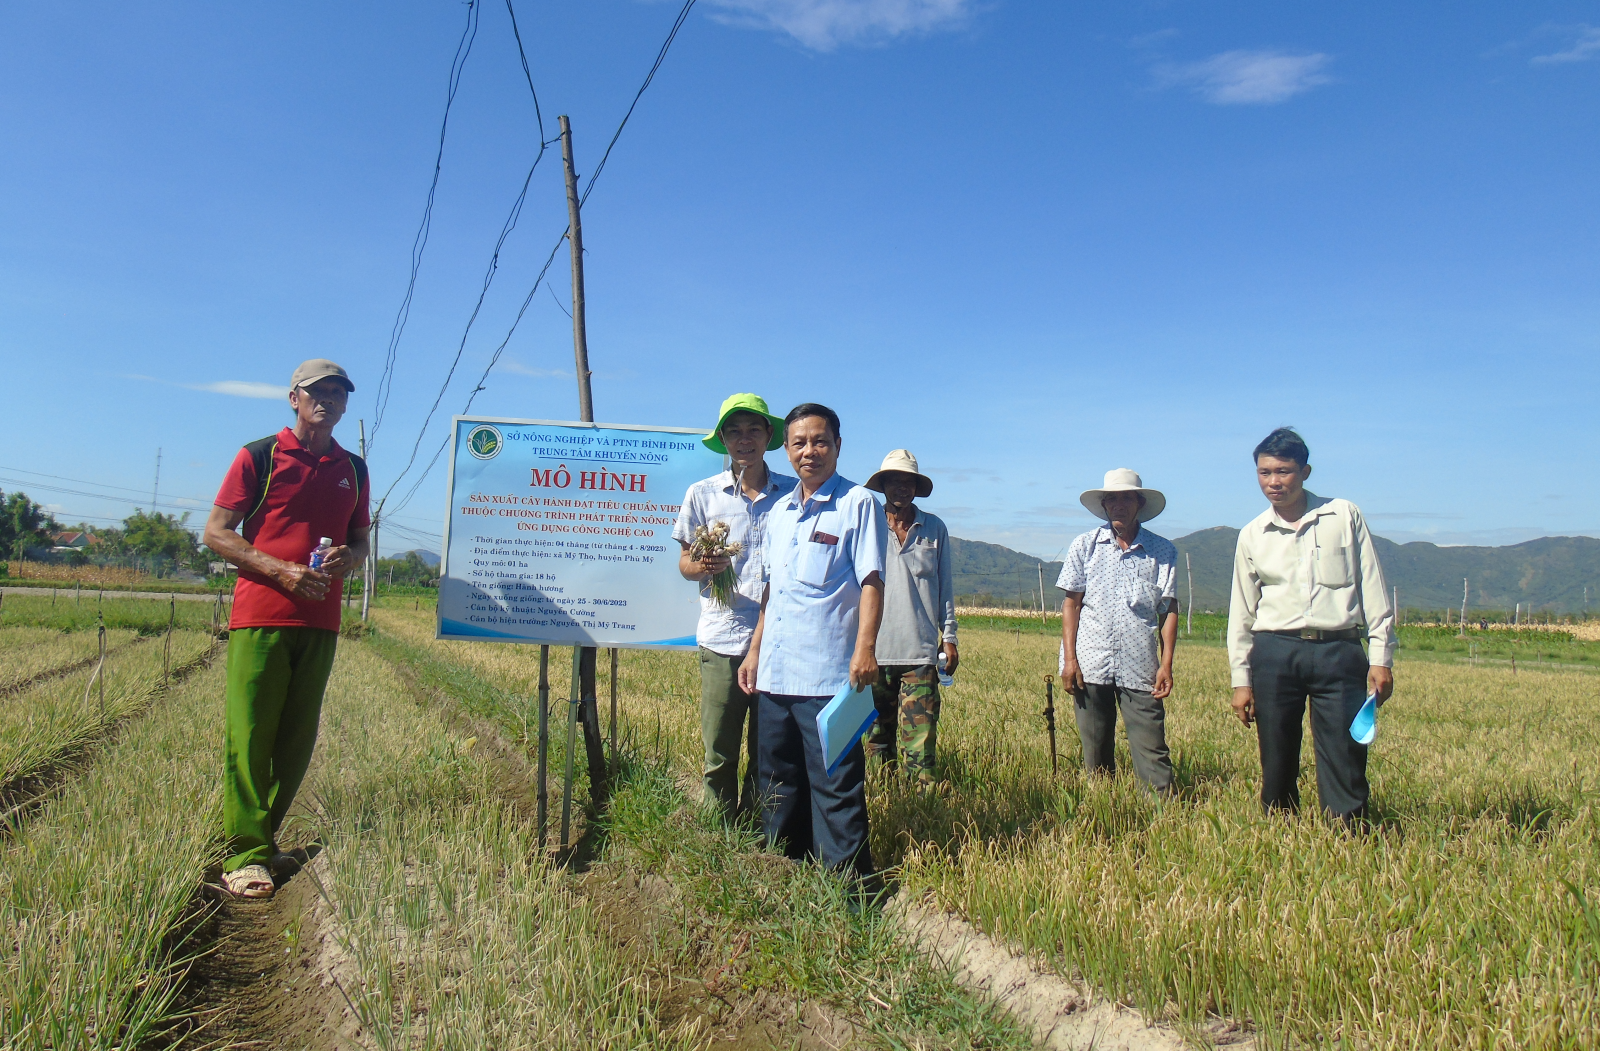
x,y
1062,1013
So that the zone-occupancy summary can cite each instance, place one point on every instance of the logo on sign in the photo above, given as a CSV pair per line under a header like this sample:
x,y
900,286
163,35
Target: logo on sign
x,y
484,441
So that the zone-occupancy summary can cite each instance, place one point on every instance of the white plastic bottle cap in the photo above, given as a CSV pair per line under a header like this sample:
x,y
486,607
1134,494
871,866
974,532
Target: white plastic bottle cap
x,y
327,541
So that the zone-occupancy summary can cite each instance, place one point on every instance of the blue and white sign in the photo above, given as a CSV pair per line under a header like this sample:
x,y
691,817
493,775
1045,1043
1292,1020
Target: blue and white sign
x,y
561,533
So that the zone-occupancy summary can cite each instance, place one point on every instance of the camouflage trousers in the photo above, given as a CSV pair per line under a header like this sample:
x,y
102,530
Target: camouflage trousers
x,y
907,699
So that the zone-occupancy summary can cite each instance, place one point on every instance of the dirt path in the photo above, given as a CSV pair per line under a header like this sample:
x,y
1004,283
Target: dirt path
x,y
181,596
271,974
1062,1013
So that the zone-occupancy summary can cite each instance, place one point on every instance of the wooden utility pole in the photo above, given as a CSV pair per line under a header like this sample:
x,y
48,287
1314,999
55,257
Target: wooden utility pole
x,y
588,708
1461,625
1188,630
544,738
1042,618
367,563
580,337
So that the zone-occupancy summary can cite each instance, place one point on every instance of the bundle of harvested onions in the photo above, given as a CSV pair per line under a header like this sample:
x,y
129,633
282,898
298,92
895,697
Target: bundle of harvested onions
x,y
712,542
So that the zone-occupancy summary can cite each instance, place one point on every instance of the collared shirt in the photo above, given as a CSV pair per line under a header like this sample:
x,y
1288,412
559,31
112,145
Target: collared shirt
x,y
309,497
818,552
719,498
919,594
1320,572
1124,595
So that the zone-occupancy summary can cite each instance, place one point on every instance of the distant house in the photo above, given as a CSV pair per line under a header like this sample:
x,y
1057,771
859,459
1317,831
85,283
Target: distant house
x,y
73,540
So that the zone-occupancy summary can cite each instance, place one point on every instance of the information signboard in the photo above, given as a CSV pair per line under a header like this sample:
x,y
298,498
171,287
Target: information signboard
x,y
561,533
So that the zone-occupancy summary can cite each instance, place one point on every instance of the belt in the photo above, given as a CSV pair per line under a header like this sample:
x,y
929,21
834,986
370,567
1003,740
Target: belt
x,y
1322,634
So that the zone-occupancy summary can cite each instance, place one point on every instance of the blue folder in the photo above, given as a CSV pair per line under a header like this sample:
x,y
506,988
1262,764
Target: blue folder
x,y
1365,727
842,721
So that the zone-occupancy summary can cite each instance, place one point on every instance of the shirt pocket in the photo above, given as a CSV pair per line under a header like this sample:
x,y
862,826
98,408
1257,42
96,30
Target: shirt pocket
x,y
1146,599
1333,567
922,559
814,563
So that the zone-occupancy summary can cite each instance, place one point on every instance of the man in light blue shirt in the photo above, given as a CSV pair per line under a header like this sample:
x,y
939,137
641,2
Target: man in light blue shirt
x,y
741,497
824,557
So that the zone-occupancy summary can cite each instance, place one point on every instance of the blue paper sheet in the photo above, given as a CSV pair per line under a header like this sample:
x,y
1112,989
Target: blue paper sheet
x,y
842,721
1364,729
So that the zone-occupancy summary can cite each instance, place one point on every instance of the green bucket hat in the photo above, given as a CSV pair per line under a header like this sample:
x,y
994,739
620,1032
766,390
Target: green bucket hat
x,y
743,403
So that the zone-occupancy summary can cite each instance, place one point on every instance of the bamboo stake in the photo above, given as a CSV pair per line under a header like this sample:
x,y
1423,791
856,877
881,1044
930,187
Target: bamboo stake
x,y
572,745
1050,718
614,763
98,675
544,738
166,650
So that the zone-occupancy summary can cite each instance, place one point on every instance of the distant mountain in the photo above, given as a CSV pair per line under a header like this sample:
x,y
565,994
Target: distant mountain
x,y
1550,573
989,575
428,557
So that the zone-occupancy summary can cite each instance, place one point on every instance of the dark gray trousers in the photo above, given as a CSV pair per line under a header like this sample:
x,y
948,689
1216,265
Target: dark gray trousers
x,y
1146,721
1285,672
807,811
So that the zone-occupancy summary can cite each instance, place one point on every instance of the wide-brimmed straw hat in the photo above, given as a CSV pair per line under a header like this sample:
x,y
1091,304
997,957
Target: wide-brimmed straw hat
x,y
901,460
743,403
1122,480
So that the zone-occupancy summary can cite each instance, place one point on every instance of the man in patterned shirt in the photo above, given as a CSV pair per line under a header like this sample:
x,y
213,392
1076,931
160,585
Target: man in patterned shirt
x,y
740,496
1121,585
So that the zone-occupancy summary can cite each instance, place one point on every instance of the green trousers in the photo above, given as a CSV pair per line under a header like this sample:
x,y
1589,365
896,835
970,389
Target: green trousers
x,y
727,718
907,699
275,681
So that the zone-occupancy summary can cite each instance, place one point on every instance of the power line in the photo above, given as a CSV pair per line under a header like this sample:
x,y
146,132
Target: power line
x,y
84,481
661,55
47,488
479,386
509,225
420,242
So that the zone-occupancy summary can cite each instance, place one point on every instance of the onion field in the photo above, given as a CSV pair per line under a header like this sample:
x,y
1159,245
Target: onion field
x,y
429,915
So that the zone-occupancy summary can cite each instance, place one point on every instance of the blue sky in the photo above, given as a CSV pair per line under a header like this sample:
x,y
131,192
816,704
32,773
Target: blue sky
x,y
1029,241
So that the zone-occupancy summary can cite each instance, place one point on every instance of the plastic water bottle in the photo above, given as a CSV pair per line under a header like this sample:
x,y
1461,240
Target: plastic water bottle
x,y
945,678
320,552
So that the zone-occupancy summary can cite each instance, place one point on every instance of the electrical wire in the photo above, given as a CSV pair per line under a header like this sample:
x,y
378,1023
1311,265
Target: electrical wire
x,y
661,55
84,481
420,242
47,488
509,225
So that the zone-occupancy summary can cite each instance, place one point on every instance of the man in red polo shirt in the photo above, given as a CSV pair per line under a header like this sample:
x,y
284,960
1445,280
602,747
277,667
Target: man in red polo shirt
x,y
288,491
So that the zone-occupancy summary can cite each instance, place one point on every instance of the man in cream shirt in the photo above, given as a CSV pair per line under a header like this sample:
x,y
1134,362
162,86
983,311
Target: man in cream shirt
x,y
1307,588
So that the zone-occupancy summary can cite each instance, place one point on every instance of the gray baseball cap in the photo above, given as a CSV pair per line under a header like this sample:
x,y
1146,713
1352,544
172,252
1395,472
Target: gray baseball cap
x,y
316,369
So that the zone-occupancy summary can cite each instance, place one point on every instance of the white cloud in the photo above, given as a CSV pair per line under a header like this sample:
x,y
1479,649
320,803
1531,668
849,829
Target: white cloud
x,y
233,388
823,25
242,389
517,367
1248,77
1585,47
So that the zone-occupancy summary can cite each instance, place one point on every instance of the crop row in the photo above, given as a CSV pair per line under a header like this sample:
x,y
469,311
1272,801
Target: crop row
x,y
77,613
793,929
52,720
30,653
92,889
